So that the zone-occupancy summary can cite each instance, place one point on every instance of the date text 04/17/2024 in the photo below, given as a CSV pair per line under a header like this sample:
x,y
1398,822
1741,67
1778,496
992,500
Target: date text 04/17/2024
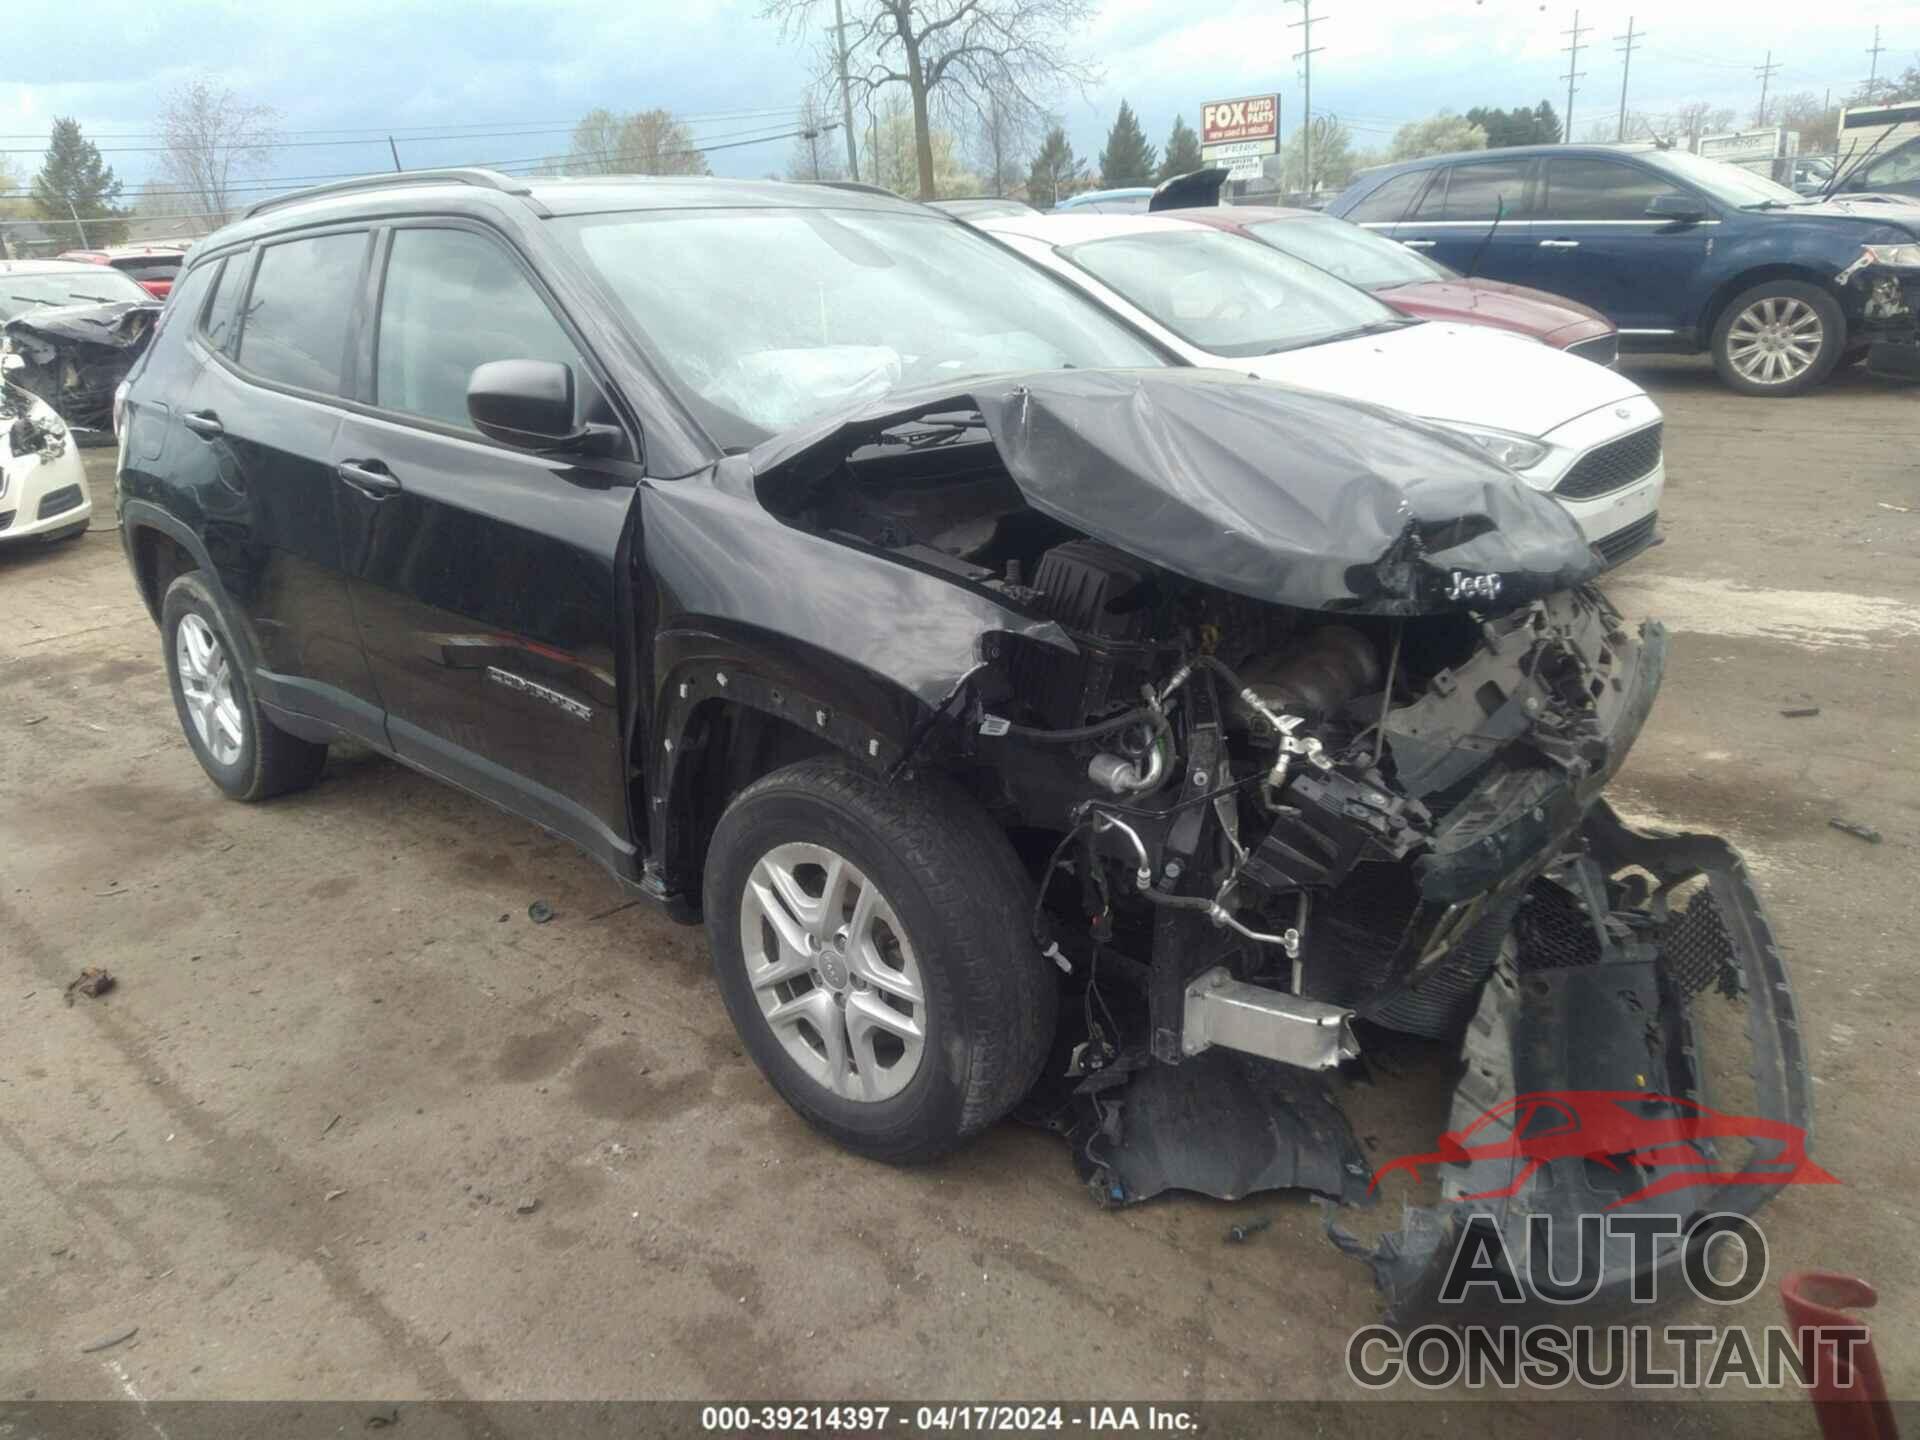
x,y
940,1419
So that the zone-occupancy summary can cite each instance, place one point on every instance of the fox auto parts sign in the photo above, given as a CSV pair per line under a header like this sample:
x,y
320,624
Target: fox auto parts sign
x,y
1254,117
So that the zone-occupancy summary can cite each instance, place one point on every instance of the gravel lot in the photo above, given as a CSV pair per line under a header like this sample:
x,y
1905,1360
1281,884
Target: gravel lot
x,y
351,1125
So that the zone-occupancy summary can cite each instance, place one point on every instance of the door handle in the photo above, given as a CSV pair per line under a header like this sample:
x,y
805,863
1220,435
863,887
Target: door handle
x,y
1559,244
1418,244
375,483
203,422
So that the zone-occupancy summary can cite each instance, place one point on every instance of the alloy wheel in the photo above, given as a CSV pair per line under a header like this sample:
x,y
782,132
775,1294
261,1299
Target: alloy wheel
x,y
206,681
1775,340
833,971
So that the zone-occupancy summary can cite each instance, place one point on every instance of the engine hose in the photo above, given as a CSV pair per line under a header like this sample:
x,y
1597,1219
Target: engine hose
x,y
1142,716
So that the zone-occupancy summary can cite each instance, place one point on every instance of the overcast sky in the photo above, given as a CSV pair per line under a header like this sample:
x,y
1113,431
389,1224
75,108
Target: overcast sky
x,y
355,65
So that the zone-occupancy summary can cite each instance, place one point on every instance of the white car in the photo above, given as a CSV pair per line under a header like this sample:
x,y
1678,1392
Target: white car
x,y
43,490
1565,425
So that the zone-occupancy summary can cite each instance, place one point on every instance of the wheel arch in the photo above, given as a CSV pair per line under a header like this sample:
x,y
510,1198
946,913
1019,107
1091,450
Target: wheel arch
x,y
1728,289
733,704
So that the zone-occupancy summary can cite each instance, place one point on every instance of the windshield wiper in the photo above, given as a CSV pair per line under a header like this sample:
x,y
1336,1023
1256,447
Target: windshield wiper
x,y
1374,327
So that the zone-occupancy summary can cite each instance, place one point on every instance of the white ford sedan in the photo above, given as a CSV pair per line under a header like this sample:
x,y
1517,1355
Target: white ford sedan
x,y
1586,434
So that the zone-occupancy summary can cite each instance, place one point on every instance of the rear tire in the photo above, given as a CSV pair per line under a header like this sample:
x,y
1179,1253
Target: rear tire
x,y
944,943
242,751
1781,337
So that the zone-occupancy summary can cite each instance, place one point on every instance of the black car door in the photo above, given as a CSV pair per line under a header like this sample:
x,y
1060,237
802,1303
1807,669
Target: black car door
x,y
486,579
257,427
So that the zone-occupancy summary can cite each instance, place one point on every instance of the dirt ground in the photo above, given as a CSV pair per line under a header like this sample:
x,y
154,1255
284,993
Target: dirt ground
x,y
351,1125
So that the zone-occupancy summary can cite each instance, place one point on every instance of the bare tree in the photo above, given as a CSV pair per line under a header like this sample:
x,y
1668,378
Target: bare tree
x,y
950,53
1700,117
1003,131
213,138
649,142
814,148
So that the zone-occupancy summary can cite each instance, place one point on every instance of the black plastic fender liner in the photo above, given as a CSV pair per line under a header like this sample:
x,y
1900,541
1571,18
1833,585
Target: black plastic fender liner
x,y
1627,1023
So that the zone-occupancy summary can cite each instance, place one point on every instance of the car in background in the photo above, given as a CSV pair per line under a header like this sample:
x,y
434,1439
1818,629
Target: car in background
x,y
1130,200
152,267
982,207
1586,435
43,490
1414,284
27,285
1682,254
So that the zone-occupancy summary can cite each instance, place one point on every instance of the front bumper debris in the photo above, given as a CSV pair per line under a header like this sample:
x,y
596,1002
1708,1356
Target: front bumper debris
x,y
1681,994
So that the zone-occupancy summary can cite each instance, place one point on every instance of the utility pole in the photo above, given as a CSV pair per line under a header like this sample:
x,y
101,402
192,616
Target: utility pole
x,y
1305,55
846,98
1574,72
76,222
1626,69
1765,72
396,152
1873,75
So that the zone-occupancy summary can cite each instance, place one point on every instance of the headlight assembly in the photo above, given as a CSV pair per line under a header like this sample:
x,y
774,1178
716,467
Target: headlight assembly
x,y
1516,452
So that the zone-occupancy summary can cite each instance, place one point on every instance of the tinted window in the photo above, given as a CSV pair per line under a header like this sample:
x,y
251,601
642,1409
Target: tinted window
x,y
1389,203
1360,257
189,296
295,330
150,267
1580,188
454,300
217,329
1479,191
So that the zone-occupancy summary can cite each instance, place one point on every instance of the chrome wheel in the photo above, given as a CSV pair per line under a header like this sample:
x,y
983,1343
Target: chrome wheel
x,y
206,681
833,972
1775,340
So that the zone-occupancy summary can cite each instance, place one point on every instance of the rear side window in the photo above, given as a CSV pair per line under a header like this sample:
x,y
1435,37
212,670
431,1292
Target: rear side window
x,y
1585,188
295,329
218,327
1391,201
152,267
189,297
454,300
1479,191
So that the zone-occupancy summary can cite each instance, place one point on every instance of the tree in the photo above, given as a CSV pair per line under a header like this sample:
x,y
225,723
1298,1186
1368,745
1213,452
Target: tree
x,y
1440,134
950,53
1128,158
1522,125
1004,128
1889,90
648,142
1056,171
1817,122
213,138
1697,118
895,160
74,183
1333,158
815,148
1183,151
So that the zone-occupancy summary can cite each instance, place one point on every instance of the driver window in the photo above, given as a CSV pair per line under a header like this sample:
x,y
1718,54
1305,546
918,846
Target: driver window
x,y
454,300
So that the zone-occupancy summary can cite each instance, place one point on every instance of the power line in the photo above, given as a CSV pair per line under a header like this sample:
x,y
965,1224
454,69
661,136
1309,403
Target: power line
x,y
1305,55
1574,72
1765,72
1626,69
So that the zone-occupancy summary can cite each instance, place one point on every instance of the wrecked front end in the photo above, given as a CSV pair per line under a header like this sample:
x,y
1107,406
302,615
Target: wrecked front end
x,y
74,357
1309,752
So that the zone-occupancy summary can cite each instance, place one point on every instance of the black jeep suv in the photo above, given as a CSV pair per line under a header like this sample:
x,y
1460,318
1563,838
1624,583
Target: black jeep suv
x,y
1028,719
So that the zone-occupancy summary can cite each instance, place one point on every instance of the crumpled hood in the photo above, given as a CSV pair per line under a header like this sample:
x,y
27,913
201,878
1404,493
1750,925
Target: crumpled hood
x,y
1445,371
1272,492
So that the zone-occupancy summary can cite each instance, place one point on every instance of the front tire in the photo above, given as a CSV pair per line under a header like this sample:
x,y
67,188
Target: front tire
x,y
1781,337
871,942
242,751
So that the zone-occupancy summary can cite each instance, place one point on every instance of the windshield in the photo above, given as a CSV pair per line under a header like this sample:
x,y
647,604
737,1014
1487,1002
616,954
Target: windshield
x,y
1356,256
762,319
1227,296
1728,184
97,285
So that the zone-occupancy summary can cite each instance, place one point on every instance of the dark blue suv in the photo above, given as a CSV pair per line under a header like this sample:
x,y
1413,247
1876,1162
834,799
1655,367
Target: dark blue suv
x,y
1682,254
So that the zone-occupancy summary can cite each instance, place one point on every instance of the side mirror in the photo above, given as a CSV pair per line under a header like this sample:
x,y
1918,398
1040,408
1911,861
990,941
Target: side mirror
x,y
1677,207
524,403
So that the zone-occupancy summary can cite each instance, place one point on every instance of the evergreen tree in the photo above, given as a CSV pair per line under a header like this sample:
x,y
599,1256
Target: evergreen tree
x,y
1056,171
1183,151
75,181
1128,158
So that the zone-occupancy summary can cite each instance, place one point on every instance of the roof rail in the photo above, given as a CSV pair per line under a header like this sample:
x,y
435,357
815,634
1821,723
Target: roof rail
x,y
461,175
860,187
